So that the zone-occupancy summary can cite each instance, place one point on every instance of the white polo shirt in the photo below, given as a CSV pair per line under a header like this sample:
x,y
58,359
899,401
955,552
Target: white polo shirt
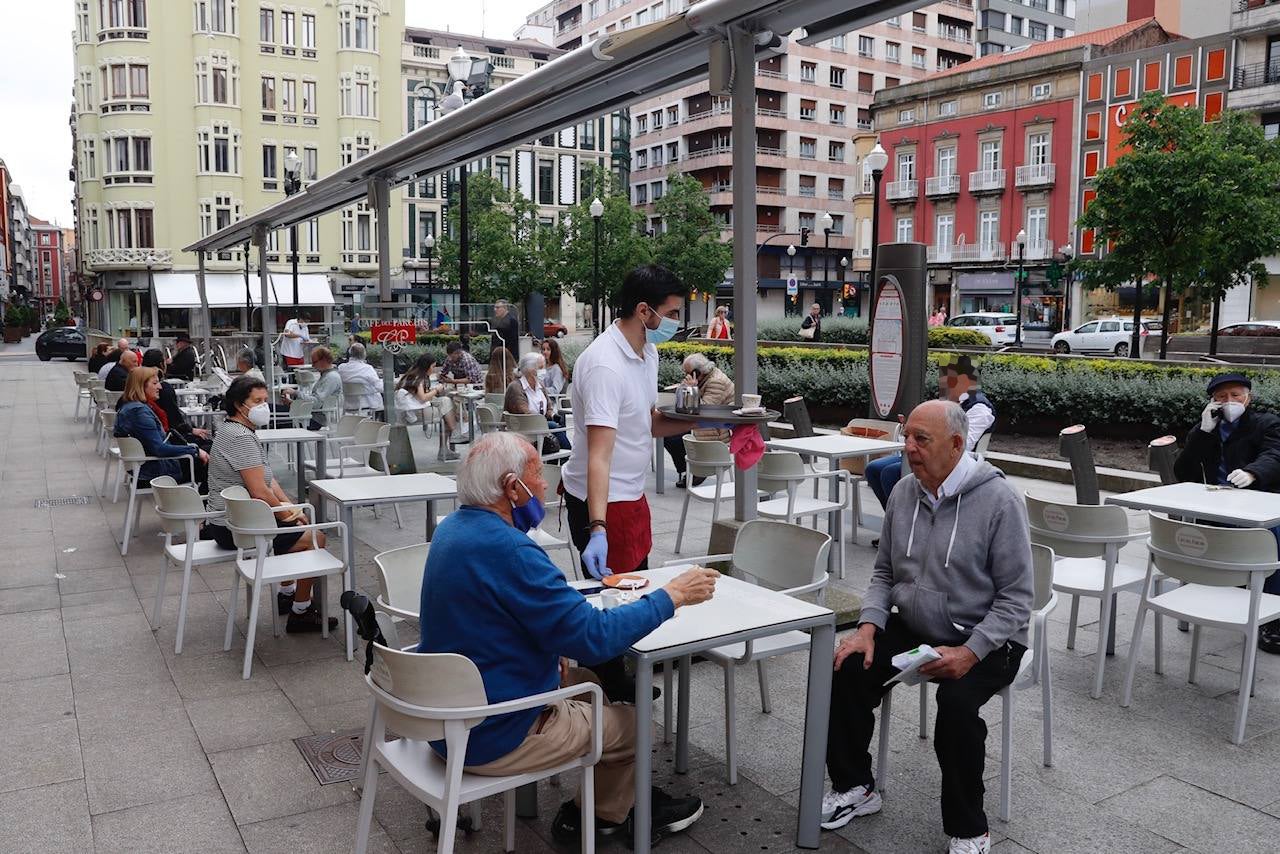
x,y
292,347
614,387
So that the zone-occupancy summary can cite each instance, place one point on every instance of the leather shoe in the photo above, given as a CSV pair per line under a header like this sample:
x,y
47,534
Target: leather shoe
x,y
1269,637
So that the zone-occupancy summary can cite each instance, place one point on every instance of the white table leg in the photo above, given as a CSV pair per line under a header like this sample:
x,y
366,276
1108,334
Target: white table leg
x,y
659,467
349,575
682,716
302,470
833,554
817,710
642,810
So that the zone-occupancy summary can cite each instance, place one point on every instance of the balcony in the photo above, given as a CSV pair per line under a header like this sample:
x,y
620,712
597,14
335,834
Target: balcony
x,y
1034,176
1257,74
942,185
1255,15
986,181
1035,250
902,191
955,34
808,192
965,253
771,75
128,259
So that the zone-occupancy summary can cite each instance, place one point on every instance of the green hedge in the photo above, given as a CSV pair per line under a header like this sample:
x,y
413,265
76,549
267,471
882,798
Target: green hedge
x,y
846,330
1029,391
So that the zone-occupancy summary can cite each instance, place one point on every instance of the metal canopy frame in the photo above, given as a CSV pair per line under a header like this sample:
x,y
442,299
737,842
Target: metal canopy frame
x,y
592,80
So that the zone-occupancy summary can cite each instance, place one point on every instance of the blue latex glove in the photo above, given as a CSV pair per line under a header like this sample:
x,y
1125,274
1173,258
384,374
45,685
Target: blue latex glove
x,y
715,425
595,555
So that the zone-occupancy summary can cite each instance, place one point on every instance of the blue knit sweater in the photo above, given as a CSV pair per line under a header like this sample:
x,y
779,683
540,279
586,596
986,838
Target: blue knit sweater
x,y
491,594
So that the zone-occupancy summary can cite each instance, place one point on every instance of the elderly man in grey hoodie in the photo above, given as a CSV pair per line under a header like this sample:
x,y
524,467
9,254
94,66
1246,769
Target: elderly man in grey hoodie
x,y
955,558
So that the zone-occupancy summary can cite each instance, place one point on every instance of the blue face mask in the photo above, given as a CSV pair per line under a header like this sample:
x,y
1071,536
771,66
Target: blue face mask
x,y
529,515
666,328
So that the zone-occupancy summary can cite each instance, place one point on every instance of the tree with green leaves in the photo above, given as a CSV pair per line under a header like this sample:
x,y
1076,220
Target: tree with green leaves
x,y
491,229
623,244
1247,227
1164,210
690,244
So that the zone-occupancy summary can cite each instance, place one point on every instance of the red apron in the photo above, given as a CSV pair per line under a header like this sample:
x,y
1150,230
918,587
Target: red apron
x,y
630,533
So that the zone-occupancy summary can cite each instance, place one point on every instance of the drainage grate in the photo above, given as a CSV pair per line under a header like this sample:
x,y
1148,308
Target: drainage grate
x,y
72,501
333,757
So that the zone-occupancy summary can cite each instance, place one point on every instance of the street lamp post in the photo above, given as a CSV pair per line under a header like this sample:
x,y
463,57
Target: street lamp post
x,y
429,246
826,223
877,159
1021,240
844,277
467,76
1067,253
292,184
597,212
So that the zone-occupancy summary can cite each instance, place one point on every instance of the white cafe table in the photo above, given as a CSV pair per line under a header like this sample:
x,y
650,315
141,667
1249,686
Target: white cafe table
x,y
834,448
738,612
1249,508
299,437
352,492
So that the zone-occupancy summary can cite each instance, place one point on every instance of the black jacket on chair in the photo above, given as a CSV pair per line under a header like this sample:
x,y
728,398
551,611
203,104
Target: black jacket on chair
x,y
1253,446
183,364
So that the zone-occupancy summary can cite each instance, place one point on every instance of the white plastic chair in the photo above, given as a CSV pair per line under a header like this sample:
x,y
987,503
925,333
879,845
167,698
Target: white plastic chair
x,y
355,459
181,510
84,391
428,697
778,556
253,525
548,541
337,434
533,427
1033,668
1213,564
487,419
1086,540
132,457
400,573
706,458
352,392
784,471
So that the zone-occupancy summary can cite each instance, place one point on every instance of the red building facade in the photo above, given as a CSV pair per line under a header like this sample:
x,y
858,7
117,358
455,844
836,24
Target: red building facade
x,y
48,262
984,152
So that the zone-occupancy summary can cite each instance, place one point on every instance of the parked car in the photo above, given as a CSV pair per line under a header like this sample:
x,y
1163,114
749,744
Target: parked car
x,y
1104,335
999,327
1252,329
66,342
551,329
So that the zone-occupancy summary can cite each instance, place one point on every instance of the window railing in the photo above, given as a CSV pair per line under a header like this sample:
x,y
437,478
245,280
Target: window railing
x,y
1257,74
898,190
986,180
942,185
772,75
1035,175
809,192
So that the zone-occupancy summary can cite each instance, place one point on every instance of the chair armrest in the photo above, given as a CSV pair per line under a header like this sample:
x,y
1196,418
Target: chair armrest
x,y
304,506
381,605
464,712
180,517
269,532
808,588
700,559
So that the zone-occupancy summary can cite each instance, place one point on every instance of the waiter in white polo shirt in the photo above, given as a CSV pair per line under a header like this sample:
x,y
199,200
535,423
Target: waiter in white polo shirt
x,y
614,392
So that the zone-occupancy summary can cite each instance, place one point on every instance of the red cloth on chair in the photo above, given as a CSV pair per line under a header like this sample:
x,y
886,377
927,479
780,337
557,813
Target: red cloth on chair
x,y
747,446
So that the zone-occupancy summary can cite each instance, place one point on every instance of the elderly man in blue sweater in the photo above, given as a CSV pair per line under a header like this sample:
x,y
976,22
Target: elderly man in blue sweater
x,y
490,593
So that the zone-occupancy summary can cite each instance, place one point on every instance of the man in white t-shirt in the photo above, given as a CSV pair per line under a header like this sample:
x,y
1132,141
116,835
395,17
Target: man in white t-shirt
x,y
357,371
294,342
614,391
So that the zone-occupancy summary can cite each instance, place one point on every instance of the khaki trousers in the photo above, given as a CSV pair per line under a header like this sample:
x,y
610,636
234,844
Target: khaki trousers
x,y
562,732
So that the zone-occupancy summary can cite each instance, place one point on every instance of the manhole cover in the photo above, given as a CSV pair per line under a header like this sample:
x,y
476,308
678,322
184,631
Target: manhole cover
x,y
72,501
333,757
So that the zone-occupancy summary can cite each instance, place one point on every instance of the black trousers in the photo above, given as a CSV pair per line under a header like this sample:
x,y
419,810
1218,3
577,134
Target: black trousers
x,y
959,735
675,447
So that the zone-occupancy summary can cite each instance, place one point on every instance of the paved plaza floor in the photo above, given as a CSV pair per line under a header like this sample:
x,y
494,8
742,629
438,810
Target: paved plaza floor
x,y
114,744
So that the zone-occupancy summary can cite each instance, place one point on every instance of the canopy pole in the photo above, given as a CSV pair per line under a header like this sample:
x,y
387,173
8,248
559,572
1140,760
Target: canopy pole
x,y
743,52
155,309
205,317
381,193
268,312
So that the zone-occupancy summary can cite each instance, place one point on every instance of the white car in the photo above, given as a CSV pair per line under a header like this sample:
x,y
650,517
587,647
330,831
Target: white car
x,y
1104,335
998,326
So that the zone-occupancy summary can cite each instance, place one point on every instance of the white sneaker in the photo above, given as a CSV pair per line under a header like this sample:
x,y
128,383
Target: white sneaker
x,y
976,845
840,808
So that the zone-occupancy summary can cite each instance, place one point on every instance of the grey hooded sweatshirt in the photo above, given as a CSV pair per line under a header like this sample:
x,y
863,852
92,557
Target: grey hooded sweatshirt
x,y
959,574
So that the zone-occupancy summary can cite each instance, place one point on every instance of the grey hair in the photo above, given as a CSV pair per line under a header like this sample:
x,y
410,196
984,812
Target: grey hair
x,y
356,350
957,419
247,357
482,475
698,362
529,361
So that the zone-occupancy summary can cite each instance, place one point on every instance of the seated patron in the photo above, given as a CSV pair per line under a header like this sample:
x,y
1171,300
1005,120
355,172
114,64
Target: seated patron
x,y
140,416
955,558
168,401
359,372
1236,445
119,373
714,389
527,395
491,594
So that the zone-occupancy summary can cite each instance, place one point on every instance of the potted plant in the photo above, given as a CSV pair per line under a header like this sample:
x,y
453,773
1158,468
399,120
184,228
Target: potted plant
x,y
62,314
15,323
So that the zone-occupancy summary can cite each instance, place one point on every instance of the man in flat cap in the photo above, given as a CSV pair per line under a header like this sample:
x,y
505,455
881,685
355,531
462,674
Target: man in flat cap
x,y
1235,445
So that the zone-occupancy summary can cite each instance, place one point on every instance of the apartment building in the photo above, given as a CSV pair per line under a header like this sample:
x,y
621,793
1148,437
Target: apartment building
x,y
1006,24
1191,18
186,114
554,171
811,102
50,276
6,237
20,241
982,152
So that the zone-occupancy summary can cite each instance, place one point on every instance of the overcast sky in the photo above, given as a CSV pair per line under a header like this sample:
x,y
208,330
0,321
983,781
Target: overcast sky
x,y
36,78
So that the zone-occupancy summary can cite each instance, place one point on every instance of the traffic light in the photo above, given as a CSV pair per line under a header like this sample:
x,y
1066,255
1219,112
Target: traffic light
x,y
804,237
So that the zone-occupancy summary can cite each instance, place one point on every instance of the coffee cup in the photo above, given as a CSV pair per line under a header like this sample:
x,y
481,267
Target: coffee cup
x,y
750,401
610,599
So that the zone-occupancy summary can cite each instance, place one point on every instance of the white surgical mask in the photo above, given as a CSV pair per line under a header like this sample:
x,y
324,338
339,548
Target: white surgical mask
x,y
1232,411
260,415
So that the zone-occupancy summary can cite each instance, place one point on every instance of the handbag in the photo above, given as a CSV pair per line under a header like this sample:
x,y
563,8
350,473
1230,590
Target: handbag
x,y
806,332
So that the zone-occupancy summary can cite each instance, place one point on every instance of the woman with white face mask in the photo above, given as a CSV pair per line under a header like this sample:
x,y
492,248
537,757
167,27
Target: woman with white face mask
x,y
528,394
239,459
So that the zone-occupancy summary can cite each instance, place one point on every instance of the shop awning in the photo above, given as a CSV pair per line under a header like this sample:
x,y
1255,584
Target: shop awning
x,y
227,290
